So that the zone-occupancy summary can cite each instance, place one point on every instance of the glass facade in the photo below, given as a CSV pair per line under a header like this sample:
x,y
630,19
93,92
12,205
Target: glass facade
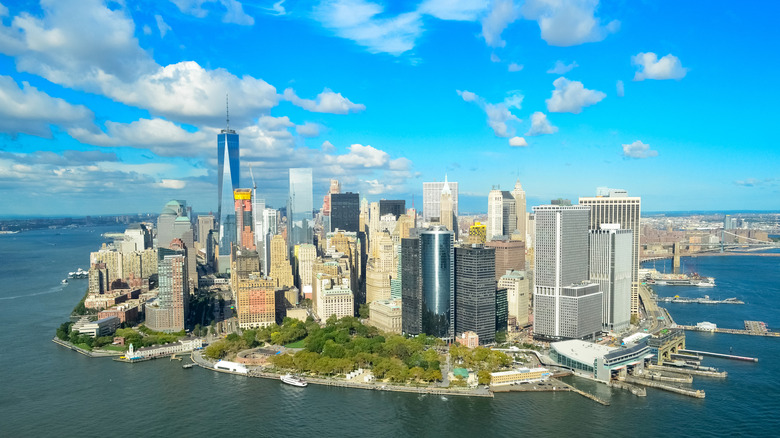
x,y
411,294
227,142
300,207
345,212
475,292
437,281
396,207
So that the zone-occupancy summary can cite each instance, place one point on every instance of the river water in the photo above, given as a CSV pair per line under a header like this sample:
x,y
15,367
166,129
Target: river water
x,y
48,389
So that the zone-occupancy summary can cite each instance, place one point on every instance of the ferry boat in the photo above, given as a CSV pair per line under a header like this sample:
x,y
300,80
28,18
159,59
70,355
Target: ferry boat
x,y
80,273
294,381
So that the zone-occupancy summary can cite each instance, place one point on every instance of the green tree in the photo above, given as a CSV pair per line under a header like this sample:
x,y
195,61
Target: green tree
x,y
500,337
363,311
483,377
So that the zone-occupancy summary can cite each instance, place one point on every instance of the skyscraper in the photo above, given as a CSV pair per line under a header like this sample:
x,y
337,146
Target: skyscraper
x,y
437,272
566,304
411,286
227,143
475,291
520,207
345,211
610,267
614,206
173,223
300,207
502,214
432,199
510,256
169,312
245,236
445,209
396,207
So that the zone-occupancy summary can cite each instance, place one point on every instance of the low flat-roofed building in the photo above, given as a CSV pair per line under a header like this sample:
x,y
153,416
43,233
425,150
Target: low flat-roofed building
x,y
519,375
386,315
184,345
598,361
101,327
468,339
298,313
127,313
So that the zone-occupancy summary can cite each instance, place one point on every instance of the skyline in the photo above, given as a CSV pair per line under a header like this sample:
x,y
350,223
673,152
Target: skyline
x,y
565,99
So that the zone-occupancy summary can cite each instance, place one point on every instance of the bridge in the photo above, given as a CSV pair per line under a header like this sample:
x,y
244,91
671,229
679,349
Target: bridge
x,y
741,246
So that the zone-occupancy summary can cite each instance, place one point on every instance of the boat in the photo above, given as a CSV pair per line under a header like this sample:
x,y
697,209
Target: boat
x,y
64,281
294,380
80,273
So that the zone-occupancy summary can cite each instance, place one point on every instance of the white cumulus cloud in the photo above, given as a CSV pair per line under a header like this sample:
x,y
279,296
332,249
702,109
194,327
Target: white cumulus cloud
x,y
31,111
515,67
162,137
232,11
560,68
162,26
458,10
357,20
650,67
517,142
571,96
540,125
308,129
620,88
502,13
61,46
326,102
175,184
638,149
499,115
568,22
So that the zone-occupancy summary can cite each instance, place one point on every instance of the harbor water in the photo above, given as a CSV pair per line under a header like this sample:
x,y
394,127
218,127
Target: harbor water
x,y
51,390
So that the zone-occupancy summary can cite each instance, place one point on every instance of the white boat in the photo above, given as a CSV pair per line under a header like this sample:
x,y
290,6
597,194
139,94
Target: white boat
x,y
65,281
294,381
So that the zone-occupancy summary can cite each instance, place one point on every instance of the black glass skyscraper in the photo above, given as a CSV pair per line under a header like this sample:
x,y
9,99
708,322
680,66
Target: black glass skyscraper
x,y
396,207
475,291
345,211
438,283
411,292
226,140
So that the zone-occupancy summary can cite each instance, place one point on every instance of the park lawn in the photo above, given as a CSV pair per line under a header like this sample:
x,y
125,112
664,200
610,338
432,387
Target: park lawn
x,y
113,347
84,346
296,344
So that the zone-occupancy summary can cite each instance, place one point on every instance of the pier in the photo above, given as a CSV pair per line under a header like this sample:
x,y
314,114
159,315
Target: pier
x,y
723,356
693,328
698,393
691,371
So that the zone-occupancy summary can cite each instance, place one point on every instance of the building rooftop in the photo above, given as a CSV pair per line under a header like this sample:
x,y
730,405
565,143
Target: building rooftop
x,y
581,351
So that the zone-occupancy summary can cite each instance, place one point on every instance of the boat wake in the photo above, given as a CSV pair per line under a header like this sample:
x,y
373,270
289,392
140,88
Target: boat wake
x,y
50,291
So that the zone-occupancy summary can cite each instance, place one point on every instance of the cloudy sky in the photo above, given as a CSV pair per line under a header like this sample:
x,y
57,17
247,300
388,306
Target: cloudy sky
x,y
114,107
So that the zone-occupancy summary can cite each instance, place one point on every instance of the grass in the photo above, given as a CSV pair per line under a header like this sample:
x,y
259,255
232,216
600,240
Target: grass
x,y
84,346
113,347
296,344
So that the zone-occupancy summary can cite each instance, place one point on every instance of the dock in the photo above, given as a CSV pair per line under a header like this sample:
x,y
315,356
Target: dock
x,y
691,371
697,393
693,328
720,355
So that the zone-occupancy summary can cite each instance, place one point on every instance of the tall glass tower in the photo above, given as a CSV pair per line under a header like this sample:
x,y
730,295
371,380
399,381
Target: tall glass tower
x,y
437,263
300,207
227,142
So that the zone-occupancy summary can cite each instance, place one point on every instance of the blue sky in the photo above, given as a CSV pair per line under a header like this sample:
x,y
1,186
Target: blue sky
x,y
114,107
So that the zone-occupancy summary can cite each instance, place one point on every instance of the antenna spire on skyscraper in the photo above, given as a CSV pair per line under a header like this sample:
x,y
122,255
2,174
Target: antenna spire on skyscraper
x,y
227,112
